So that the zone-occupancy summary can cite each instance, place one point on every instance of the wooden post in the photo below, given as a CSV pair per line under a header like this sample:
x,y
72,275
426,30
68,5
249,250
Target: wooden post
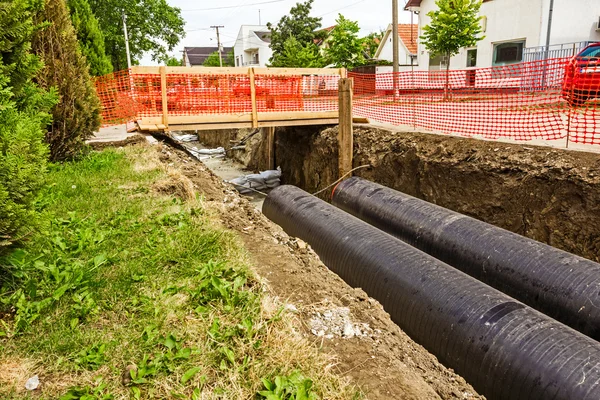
x,y
345,135
253,99
270,139
163,90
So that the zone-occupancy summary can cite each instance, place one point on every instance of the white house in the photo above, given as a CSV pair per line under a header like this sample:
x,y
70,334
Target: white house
x,y
516,31
252,46
408,35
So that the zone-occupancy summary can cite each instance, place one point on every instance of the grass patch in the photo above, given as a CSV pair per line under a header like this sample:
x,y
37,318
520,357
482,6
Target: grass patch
x,y
130,290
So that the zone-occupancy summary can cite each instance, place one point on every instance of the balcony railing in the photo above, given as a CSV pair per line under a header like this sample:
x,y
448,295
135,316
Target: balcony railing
x,y
555,51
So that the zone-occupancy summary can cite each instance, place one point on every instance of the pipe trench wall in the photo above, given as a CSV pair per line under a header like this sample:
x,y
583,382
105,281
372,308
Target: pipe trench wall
x,y
549,195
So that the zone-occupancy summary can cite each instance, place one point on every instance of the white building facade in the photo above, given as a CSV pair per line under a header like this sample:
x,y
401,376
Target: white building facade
x,y
251,47
516,31
408,35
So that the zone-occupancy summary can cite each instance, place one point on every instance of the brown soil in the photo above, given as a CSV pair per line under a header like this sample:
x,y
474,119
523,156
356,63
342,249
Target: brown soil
x,y
549,195
386,364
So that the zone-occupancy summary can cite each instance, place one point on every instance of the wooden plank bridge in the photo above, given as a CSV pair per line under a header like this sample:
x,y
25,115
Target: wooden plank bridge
x,y
163,99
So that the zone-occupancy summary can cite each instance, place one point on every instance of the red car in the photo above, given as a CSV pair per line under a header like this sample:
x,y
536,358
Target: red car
x,y
582,76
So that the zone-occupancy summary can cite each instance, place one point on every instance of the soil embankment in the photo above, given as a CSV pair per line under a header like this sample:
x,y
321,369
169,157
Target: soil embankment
x,y
547,194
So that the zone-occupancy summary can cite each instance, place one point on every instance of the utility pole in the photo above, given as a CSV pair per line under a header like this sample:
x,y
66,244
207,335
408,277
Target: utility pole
x,y
126,41
394,34
219,43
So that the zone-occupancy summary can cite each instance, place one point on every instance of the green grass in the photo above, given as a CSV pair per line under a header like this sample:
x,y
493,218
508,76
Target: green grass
x,y
129,293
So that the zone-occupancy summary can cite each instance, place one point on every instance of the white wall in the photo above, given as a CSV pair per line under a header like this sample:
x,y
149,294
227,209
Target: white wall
x,y
573,21
387,52
248,43
508,20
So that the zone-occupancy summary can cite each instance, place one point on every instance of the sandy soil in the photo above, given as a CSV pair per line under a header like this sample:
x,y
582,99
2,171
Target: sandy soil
x,y
370,348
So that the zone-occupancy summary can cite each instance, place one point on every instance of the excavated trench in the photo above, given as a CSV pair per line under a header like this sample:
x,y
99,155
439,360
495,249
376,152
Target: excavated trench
x,y
550,195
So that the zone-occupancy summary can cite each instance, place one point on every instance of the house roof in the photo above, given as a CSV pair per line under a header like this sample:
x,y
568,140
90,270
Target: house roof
x,y
412,3
265,36
409,34
197,55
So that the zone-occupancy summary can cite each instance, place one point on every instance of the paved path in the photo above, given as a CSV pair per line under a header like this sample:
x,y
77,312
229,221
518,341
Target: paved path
x,y
115,133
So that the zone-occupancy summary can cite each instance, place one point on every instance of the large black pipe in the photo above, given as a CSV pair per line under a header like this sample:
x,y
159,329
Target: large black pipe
x,y
505,349
559,284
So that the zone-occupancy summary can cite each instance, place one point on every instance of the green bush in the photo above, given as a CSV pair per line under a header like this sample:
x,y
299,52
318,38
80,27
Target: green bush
x,y
23,155
91,38
77,114
23,113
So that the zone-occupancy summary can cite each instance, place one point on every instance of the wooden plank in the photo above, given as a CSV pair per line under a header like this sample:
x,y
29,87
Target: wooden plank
x,y
243,117
343,73
138,70
299,122
294,115
345,135
296,71
253,99
207,70
163,93
200,119
210,127
360,120
269,133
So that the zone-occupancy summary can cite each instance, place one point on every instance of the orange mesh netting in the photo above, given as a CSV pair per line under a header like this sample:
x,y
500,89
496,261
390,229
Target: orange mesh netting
x,y
549,99
521,102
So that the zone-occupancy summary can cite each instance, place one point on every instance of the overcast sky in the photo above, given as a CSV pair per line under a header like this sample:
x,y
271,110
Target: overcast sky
x,y
372,15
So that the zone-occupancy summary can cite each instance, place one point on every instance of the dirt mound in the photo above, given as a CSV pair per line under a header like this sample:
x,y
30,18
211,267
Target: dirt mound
x,y
379,356
177,184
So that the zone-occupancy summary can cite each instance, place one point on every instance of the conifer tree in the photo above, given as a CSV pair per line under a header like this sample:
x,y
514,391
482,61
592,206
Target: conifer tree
x,y
91,38
23,112
77,115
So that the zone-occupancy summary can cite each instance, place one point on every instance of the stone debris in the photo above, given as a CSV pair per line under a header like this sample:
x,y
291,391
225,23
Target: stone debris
x,y
336,322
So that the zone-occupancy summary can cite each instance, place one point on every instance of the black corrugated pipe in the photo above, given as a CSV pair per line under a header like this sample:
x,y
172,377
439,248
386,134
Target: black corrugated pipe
x,y
559,284
505,349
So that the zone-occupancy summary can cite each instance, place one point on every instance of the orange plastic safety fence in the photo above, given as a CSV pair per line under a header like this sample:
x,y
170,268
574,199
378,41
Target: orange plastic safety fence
x,y
127,96
548,99
117,103
527,101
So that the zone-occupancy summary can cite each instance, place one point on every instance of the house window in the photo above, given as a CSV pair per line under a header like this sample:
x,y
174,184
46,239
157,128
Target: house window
x,y
508,53
237,61
256,61
471,58
437,62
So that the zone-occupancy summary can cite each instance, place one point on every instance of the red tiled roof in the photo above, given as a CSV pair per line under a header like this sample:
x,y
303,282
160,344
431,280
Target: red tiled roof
x,y
409,34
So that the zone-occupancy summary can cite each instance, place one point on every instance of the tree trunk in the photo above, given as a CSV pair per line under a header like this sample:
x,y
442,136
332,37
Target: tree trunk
x,y
447,85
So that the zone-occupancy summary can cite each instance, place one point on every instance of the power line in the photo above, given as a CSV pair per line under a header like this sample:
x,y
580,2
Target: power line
x,y
242,5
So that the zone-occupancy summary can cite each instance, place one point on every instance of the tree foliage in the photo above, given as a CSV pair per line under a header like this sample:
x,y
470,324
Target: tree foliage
x,y
371,43
298,25
23,112
153,26
454,24
91,38
344,48
298,55
173,62
77,115
213,60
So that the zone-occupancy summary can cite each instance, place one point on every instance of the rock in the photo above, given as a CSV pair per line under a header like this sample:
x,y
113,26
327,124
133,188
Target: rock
x,y
32,383
126,375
